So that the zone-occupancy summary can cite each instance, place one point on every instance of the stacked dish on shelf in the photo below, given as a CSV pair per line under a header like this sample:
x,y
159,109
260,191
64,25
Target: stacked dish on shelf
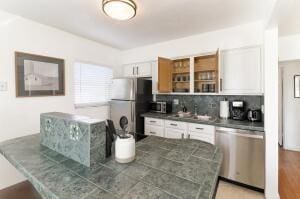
x,y
181,75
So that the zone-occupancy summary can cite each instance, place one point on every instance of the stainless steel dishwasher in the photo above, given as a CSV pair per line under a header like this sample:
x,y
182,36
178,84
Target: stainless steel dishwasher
x,y
244,156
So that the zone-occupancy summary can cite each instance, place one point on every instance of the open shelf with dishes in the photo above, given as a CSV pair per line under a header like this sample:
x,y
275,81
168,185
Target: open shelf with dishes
x,y
193,75
181,75
206,74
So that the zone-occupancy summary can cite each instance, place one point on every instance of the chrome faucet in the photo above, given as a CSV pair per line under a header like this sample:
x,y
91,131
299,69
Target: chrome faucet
x,y
195,109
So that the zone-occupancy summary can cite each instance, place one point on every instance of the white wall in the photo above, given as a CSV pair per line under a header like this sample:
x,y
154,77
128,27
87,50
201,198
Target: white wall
x,y
20,116
271,111
289,47
291,106
235,37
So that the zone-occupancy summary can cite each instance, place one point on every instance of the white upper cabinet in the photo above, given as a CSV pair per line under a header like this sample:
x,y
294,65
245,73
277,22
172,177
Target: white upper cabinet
x,y
144,69
241,71
129,71
138,70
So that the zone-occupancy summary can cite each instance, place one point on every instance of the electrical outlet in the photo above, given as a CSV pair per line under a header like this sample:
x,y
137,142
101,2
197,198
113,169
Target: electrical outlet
x,y
212,105
175,101
3,86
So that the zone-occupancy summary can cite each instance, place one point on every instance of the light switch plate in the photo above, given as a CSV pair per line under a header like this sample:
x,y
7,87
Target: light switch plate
x,y
3,86
175,101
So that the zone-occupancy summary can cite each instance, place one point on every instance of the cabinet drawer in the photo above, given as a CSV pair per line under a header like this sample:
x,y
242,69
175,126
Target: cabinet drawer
x,y
154,130
202,136
154,121
175,125
201,128
174,133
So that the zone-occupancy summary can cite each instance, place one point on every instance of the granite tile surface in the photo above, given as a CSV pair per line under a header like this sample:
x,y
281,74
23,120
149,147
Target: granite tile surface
x,y
77,137
163,168
256,127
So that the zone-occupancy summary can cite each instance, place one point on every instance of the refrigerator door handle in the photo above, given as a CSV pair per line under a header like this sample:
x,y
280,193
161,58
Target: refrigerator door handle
x,y
132,112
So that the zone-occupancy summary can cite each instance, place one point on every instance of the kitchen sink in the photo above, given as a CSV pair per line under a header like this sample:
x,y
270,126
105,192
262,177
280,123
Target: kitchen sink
x,y
193,117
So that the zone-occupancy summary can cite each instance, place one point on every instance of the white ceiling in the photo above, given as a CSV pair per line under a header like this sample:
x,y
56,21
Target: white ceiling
x,y
156,20
290,24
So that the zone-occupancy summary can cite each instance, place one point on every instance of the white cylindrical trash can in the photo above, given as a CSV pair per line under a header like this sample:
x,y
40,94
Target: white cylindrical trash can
x,y
125,149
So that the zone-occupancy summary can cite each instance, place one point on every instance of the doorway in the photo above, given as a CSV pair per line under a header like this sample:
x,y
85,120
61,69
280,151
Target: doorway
x,y
289,130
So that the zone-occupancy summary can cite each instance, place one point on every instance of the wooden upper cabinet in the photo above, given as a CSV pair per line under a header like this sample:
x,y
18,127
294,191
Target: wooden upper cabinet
x,y
164,75
206,73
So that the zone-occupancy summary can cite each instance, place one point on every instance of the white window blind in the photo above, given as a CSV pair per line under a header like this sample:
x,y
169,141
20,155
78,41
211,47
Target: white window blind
x,y
92,84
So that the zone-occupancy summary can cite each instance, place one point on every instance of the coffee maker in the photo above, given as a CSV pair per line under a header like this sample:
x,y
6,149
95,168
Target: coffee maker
x,y
238,110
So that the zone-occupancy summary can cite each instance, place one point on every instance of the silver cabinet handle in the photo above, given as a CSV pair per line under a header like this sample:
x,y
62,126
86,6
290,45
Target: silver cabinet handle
x,y
153,133
133,70
137,70
182,135
200,128
189,136
152,121
173,124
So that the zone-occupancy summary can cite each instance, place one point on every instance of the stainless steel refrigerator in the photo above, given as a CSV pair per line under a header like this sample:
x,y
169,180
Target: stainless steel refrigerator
x,y
130,98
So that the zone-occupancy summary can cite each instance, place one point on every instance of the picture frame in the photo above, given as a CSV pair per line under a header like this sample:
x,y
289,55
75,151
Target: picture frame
x,y
297,86
38,75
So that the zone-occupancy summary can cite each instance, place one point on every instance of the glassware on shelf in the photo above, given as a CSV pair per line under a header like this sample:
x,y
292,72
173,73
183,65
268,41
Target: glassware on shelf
x,y
208,75
213,75
179,66
212,88
186,65
176,67
205,88
203,76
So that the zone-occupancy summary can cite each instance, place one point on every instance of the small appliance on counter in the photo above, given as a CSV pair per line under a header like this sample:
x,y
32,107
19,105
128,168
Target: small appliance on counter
x,y
254,115
224,109
161,107
238,110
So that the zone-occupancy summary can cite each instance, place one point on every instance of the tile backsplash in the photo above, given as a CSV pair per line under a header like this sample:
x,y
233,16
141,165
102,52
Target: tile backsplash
x,y
209,104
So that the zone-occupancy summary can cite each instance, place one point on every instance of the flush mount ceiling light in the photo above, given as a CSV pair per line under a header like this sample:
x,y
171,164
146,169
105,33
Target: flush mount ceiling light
x,y
119,9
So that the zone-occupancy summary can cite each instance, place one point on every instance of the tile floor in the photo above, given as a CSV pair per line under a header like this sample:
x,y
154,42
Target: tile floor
x,y
230,191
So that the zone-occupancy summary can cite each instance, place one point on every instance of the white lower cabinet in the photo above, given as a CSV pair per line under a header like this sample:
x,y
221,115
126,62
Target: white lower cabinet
x,y
177,130
154,130
174,133
201,132
203,137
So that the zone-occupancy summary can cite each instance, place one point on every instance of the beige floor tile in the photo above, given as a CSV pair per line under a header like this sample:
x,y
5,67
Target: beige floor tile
x,y
230,191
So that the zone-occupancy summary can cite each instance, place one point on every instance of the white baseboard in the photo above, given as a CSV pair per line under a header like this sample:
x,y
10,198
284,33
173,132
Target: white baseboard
x,y
291,148
272,196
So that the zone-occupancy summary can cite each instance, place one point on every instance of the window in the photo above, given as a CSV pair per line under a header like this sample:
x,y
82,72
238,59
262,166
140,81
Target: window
x,y
92,84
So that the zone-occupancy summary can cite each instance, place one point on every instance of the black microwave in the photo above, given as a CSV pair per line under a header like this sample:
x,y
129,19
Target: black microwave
x,y
161,107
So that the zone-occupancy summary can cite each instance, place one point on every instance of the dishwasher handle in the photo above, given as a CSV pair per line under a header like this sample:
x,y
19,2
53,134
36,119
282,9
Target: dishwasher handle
x,y
239,132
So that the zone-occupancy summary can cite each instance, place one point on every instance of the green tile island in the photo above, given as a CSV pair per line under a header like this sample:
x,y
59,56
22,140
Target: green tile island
x,y
163,168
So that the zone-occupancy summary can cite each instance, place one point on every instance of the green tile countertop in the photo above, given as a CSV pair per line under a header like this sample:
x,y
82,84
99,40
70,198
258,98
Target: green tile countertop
x,y
163,168
244,125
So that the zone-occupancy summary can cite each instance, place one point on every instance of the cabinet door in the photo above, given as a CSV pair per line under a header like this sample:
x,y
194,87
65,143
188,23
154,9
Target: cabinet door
x,y
241,71
154,130
129,70
202,136
164,75
144,69
174,133
154,77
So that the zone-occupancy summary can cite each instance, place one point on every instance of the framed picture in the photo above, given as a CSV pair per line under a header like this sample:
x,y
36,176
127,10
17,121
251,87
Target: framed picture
x,y
38,75
297,86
